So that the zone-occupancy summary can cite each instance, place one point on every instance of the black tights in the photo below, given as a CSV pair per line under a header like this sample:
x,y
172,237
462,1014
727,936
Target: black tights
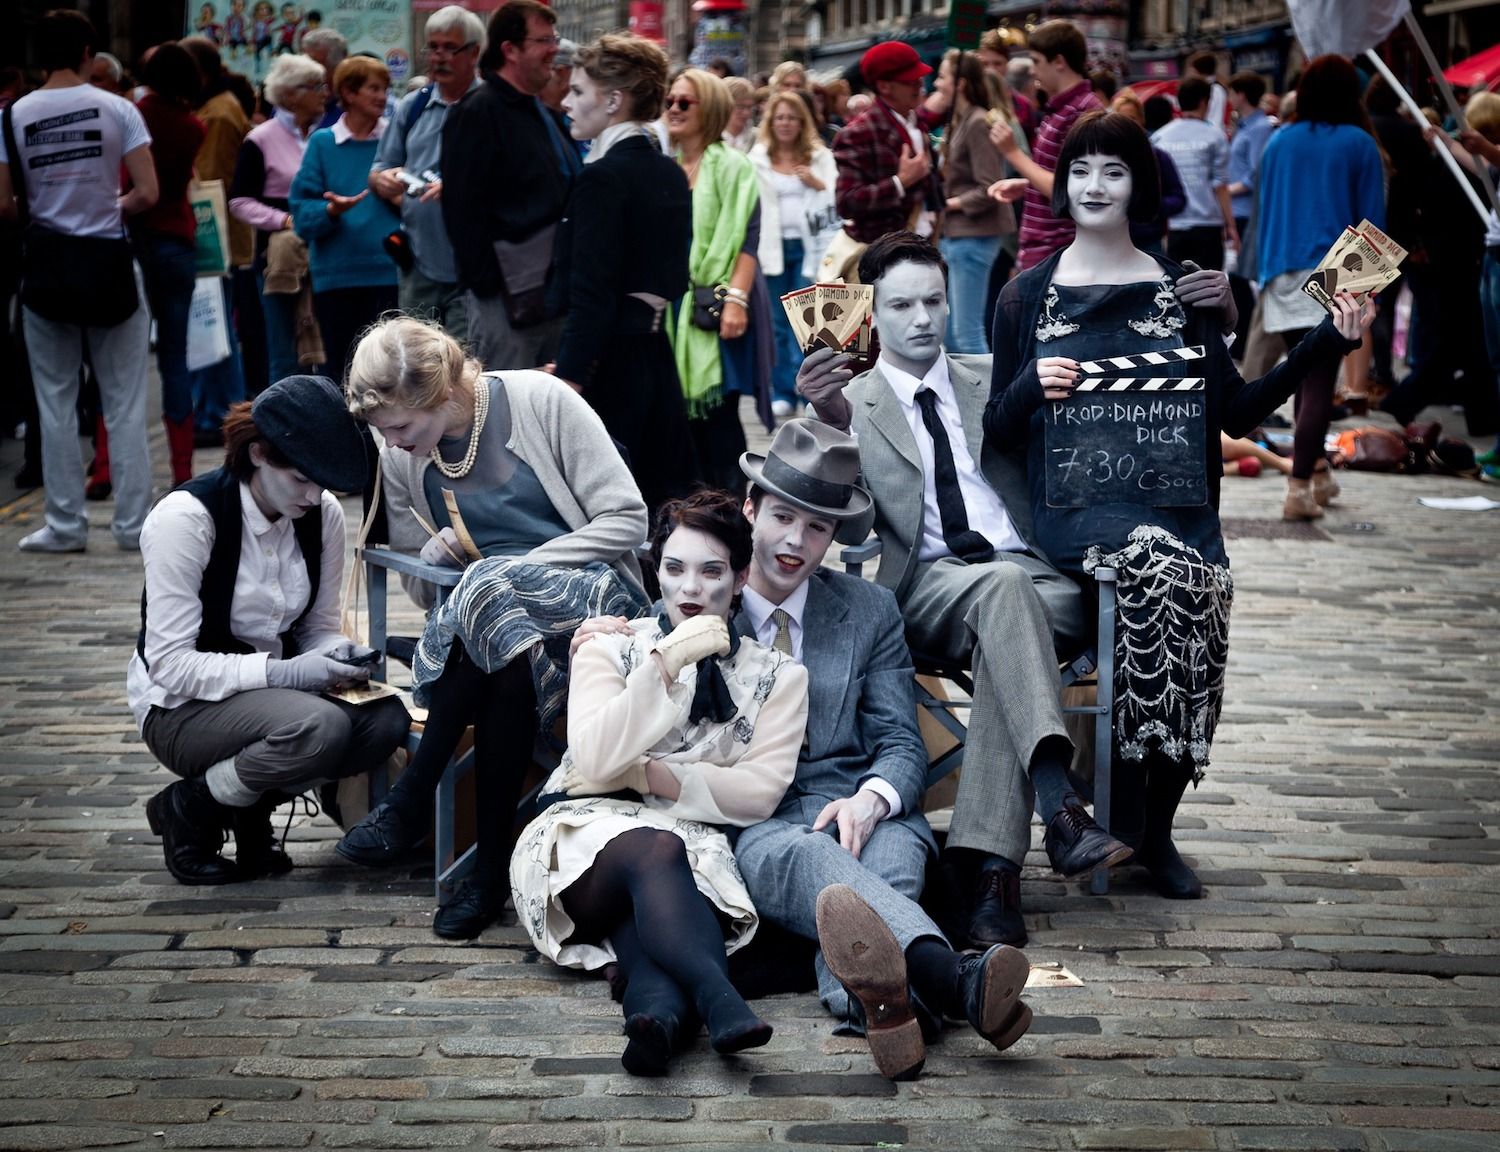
x,y
502,707
1313,409
640,893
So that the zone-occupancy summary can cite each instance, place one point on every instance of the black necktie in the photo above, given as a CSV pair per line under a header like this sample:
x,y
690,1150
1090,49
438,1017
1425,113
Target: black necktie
x,y
963,541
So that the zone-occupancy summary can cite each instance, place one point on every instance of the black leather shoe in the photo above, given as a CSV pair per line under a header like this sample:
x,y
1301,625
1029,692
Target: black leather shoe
x,y
992,983
1170,874
1075,844
383,837
469,913
191,824
996,914
256,851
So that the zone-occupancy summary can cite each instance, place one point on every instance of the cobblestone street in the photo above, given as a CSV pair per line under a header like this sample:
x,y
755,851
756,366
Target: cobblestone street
x,y
1338,987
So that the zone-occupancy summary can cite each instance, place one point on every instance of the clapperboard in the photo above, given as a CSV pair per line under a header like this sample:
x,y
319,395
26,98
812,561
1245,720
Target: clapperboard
x,y
1128,439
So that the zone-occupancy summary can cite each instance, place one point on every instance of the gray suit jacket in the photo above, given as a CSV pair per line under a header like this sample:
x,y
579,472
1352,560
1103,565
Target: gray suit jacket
x,y
892,466
861,706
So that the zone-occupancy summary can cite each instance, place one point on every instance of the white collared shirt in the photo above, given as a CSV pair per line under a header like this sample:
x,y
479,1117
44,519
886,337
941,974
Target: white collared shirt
x,y
760,610
986,511
270,590
342,135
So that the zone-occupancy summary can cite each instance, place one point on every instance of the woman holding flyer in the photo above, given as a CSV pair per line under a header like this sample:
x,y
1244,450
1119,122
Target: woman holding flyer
x,y
1318,176
1102,297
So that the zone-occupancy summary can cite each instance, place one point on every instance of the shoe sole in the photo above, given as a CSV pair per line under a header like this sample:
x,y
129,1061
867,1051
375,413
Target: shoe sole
x,y
1004,1017
1119,856
862,953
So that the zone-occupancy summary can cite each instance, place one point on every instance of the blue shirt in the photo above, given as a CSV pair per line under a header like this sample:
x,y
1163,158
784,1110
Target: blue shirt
x,y
345,251
418,147
1315,181
1244,159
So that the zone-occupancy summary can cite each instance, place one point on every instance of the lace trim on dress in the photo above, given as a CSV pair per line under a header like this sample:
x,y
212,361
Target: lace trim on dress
x,y
1168,320
1053,324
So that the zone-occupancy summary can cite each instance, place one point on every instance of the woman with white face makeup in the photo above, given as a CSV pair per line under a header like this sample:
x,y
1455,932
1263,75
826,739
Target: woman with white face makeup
x,y
628,230
1100,297
677,728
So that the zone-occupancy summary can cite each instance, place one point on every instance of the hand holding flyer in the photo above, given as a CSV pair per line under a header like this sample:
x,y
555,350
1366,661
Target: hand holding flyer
x,y
1363,260
836,316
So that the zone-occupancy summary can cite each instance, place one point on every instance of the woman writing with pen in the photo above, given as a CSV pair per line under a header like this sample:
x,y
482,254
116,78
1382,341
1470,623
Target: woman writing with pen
x,y
548,522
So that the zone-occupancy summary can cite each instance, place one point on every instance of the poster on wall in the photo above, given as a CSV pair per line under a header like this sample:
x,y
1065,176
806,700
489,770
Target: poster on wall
x,y
252,33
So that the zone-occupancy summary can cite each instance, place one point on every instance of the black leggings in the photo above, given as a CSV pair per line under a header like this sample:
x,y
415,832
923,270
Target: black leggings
x,y
640,893
1313,409
502,707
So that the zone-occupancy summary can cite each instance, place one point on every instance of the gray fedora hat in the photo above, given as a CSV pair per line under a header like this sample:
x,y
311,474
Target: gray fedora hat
x,y
812,465
307,420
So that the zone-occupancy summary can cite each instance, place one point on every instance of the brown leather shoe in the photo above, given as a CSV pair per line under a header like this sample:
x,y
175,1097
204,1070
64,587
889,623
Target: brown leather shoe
x,y
861,952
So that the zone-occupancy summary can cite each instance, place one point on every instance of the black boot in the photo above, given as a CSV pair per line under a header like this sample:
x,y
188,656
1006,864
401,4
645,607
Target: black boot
x,y
1166,780
255,848
192,827
1127,801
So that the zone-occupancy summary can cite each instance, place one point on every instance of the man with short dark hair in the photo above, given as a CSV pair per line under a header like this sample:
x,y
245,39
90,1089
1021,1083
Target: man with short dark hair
x,y
1205,66
70,142
957,548
408,168
1201,153
1059,58
508,172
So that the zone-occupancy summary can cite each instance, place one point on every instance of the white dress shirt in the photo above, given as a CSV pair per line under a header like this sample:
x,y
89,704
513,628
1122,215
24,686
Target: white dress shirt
x,y
270,590
986,511
760,610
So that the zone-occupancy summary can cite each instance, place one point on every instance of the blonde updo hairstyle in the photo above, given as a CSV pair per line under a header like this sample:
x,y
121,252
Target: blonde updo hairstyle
x,y
405,362
634,67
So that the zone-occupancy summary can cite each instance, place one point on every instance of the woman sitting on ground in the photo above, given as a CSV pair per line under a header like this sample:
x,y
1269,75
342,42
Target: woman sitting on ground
x,y
548,523
676,728
240,635
1102,296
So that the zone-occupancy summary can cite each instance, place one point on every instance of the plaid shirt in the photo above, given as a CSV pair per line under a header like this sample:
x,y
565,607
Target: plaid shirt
x,y
868,150
1041,232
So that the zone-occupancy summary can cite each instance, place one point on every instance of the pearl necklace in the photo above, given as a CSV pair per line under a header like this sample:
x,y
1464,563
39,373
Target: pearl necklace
x,y
466,465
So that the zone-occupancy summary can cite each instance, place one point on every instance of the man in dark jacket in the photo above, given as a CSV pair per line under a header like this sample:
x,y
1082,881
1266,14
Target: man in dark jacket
x,y
507,174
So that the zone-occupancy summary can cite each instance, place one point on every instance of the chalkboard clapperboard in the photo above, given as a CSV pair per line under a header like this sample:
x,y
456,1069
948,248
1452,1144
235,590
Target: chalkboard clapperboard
x,y
1128,439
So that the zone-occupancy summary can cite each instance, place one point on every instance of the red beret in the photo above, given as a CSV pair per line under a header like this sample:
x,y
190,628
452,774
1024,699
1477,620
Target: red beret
x,y
892,60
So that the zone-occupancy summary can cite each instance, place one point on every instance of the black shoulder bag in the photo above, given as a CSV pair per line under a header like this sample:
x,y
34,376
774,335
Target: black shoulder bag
x,y
83,280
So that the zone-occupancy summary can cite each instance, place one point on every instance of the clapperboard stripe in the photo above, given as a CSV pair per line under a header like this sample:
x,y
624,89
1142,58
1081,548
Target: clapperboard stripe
x,y
1140,360
1142,384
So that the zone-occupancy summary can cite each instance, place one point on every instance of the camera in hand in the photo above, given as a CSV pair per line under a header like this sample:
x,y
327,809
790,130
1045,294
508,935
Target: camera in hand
x,y
416,185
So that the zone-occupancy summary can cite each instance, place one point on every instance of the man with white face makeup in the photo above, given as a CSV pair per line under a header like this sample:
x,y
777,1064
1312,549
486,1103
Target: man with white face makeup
x,y
844,858
957,550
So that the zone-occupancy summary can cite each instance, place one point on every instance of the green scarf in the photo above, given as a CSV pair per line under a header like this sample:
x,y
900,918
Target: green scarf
x,y
725,194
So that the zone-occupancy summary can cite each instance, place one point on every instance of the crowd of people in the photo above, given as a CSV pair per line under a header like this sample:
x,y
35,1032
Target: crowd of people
x,y
519,308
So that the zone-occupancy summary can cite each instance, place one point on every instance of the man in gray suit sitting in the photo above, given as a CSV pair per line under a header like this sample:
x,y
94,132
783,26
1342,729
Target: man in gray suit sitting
x,y
954,521
844,858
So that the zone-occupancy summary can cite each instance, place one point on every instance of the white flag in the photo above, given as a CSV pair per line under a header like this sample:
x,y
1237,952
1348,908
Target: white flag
x,y
1344,27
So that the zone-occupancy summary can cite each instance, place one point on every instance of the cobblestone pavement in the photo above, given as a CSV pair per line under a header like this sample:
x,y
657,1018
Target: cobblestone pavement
x,y
1338,988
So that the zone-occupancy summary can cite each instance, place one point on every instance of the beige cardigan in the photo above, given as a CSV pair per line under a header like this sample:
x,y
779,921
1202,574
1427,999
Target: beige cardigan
x,y
554,430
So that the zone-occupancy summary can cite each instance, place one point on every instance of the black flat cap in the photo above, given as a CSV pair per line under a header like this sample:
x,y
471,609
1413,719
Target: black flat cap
x,y
306,419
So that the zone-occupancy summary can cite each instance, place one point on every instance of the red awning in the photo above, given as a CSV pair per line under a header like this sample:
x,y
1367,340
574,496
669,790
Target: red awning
x,y
1479,71
1145,89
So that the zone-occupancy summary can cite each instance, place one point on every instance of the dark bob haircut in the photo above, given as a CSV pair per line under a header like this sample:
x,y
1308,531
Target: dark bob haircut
x,y
711,511
898,248
239,433
1110,134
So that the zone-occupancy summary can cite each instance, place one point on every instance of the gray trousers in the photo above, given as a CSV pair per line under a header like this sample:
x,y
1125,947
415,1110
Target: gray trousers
x,y
280,739
786,865
999,618
119,357
448,304
499,346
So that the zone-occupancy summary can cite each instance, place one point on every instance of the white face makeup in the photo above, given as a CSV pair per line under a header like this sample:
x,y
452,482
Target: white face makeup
x,y
281,492
789,544
589,106
911,312
417,430
696,577
1099,190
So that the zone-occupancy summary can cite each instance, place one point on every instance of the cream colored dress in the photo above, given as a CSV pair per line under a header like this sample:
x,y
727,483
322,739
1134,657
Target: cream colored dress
x,y
733,773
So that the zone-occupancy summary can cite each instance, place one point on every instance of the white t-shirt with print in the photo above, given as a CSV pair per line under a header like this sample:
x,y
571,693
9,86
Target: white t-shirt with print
x,y
71,142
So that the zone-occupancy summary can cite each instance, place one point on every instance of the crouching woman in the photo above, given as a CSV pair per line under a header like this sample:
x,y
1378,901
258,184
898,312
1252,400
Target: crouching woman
x,y
240,635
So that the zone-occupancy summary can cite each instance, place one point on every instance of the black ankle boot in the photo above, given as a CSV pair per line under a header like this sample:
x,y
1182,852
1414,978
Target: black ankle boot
x,y
1127,801
192,827
1170,875
256,851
